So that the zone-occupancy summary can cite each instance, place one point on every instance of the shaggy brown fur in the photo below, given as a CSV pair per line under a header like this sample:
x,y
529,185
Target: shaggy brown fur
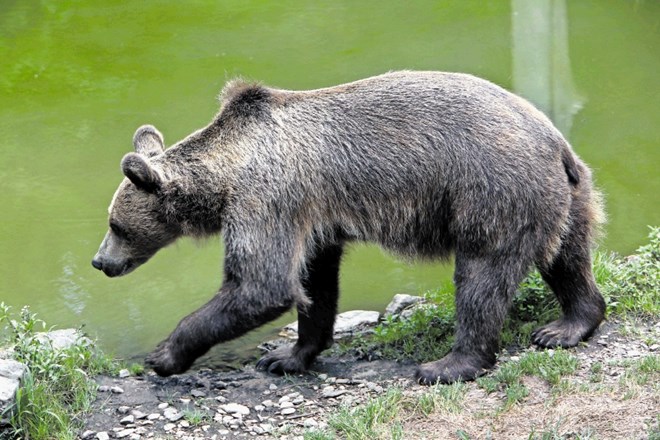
x,y
423,163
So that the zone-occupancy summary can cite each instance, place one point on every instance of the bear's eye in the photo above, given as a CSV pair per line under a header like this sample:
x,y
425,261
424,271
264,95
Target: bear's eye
x,y
118,230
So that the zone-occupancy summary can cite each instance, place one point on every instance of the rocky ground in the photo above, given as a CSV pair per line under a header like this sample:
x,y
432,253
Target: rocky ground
x,y
243,404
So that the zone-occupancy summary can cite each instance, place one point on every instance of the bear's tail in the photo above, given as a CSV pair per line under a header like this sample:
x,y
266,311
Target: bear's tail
x,y
570,165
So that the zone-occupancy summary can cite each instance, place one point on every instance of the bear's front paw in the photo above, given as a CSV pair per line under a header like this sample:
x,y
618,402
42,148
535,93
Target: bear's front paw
x,y
165,362
452,368
282,361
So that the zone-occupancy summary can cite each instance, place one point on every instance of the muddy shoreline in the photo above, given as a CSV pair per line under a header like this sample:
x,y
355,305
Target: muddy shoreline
x,y
205,404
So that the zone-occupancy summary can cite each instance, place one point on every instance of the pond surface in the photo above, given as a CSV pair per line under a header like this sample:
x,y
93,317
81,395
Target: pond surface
x,y
77,78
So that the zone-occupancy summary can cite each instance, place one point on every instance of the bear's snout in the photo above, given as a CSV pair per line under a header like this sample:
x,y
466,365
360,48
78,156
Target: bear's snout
x,y
111,267
97,264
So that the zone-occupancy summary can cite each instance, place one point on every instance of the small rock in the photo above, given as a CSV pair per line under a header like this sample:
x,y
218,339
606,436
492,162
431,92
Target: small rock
x,y
654,347
284,399
184,424
123,409
259,408
125,433
235,408
323,376
310,423
127,420
286,404
268,403
163,405
272,387
330,391
198,393
117,390
153,416
139,415
123,373
169,427
102,436
134,437
87,435
172,414
223,432
400,302
267,427
221,399
103,389
287,411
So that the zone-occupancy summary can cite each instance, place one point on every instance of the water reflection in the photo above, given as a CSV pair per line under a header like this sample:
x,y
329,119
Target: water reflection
x,y
73,294
541,61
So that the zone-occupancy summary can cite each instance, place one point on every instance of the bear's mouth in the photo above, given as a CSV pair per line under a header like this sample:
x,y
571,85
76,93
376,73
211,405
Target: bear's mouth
x,y
118,271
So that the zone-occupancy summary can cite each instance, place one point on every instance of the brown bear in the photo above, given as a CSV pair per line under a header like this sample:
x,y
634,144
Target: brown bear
x,y
425,164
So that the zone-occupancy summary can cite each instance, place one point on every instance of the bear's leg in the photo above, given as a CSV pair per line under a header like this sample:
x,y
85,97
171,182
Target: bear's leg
x,y
315,321
571,279
485,286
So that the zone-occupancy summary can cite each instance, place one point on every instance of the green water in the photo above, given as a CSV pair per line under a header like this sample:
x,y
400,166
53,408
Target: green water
x,y
77,78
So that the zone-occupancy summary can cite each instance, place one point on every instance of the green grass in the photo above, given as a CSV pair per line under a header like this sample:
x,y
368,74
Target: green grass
x,y
57,391
376,419
196,416
631,285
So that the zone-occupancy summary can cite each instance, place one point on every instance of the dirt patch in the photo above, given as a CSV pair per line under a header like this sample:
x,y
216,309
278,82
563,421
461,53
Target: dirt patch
x,y
603,399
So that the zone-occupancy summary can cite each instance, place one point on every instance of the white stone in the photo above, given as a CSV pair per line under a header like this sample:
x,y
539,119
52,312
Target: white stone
x,y
235,408
153,416
169,427
287,411
163,405
138,414
62,339
346,323
172,414
102,436
127,420
310,423
400,302
8,389
117,390
125,433
11,369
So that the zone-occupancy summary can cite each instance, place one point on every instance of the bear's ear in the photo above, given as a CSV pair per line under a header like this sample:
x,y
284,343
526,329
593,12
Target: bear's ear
x,y
148,141
140,172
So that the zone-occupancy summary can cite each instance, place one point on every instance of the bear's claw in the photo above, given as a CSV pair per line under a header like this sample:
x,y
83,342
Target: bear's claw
x,y
452,368
281,361
561,333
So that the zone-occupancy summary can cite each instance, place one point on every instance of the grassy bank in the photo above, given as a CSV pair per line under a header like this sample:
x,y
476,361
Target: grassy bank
x,y
631,287
57,390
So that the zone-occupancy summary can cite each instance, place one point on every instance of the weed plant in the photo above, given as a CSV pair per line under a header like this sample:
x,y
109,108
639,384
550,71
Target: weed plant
x,y
57,390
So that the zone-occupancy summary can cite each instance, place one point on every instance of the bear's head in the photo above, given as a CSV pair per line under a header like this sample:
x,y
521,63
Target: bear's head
x,y
138,227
